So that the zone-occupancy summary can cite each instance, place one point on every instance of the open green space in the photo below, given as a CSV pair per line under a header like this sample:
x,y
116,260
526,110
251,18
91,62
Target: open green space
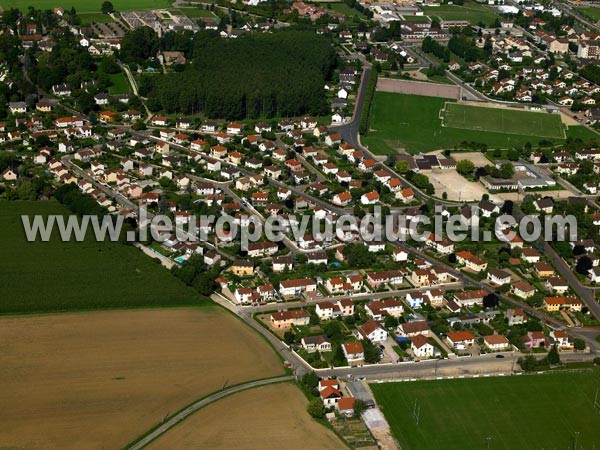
x,y
85,5
342,8
90,18
472,11
413,122
120,84
591,12
69,276
520,412
193,12
508,121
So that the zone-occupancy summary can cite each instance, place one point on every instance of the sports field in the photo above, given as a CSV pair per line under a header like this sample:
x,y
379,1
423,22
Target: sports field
x,y
507,121
472,11
99,380
532,412
591,12
67,276
85,5
265,418
413,123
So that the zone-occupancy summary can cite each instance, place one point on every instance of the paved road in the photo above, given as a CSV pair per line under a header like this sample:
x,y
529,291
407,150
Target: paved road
x,y
586,294
166,426
299,366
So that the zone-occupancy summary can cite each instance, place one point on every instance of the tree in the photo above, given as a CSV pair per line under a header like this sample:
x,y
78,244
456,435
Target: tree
x,y
402,166
465,167
390,321
316,409
289,337
333,330
490,300
372,351
107,7
553,356
359,406
579,344
584,265
507,170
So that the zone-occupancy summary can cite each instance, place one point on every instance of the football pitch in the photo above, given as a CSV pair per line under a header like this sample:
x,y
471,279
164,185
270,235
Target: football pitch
x,y
527,412
417,124
507,121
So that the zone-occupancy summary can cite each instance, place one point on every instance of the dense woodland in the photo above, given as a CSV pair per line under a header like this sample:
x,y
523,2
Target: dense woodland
x,y
267,75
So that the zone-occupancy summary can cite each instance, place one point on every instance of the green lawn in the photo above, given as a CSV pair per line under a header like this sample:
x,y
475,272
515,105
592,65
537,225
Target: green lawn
x,y
471,11
120,84
89,18
193,12
343,8
506,121
67,276
85,5
517,413
591,12
413,122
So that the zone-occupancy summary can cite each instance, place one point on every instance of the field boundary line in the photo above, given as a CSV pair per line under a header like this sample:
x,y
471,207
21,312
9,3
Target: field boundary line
x,y
199,404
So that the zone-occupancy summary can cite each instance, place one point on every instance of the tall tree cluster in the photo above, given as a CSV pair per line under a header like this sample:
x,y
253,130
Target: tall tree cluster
x,y
267,75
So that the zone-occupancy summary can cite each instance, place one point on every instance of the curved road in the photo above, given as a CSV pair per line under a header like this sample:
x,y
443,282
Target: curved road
x,y
183,414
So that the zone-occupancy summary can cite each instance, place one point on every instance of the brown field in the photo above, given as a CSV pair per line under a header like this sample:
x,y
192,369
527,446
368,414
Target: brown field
x,y
418,88
100,380
268,417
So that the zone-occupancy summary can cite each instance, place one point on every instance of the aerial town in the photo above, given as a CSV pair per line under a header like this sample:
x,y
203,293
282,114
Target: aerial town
x,y
431,171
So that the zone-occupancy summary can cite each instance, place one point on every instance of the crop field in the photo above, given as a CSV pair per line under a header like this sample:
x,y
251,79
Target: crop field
x,y
507,121
527,412
268,417
472,11
85,5
101,379
66,276
413,123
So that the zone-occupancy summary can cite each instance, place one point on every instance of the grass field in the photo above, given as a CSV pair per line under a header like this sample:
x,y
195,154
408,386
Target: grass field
x,y
591,12
524,123
101,379
526,413
268,417
85,5
194,12
343,8
89,18
59,276
120,84
413,122
471,11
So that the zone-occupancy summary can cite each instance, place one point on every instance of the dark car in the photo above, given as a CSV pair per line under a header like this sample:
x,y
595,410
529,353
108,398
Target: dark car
x,y
499,356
